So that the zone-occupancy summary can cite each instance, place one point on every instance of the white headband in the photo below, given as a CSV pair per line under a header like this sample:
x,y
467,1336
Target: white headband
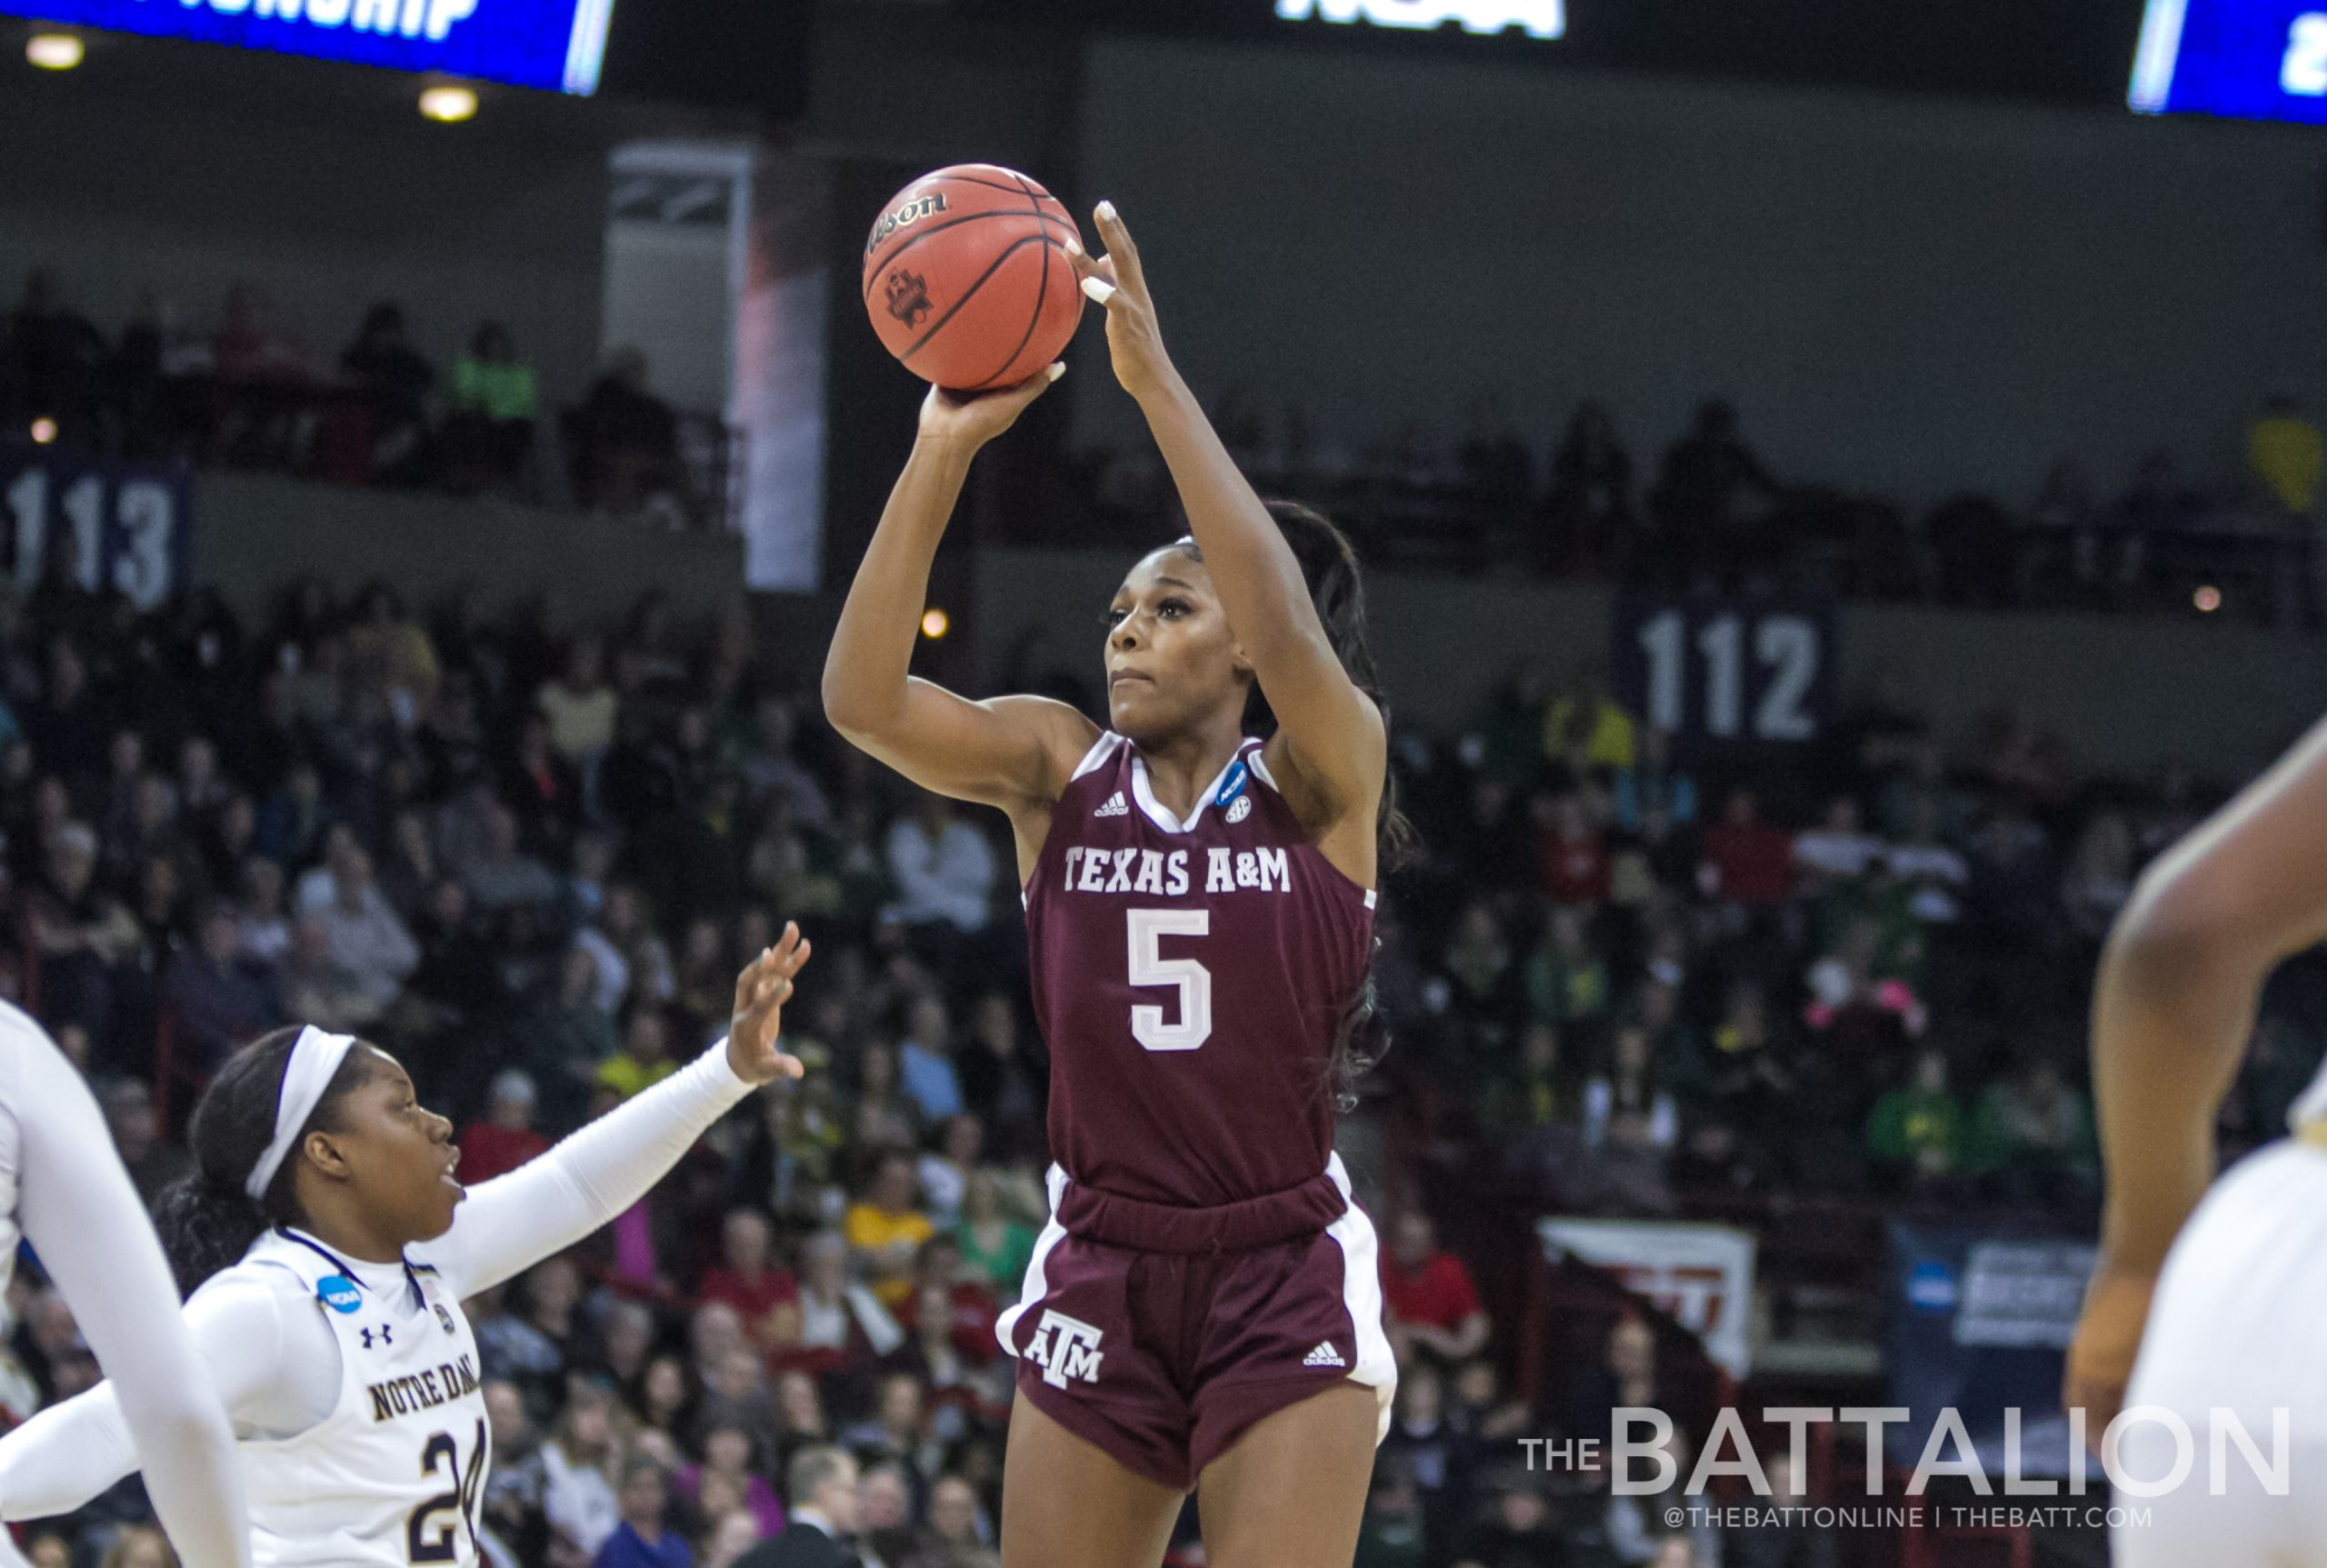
x,y
315,1062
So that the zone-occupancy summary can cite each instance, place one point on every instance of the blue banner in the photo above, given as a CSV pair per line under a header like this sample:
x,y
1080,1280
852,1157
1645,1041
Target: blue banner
x,y
2248,59
551,44
1980,1324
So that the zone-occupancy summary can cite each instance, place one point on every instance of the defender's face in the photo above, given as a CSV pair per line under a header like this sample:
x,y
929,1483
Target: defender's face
x,y
1171,657
402,1152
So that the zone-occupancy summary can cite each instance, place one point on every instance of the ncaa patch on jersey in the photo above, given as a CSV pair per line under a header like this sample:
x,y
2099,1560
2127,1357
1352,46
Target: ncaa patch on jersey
x,y
338,1292
1242,809
1232,786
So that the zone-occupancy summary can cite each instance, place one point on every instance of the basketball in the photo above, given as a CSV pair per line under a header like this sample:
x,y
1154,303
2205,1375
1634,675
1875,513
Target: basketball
x,y
967,278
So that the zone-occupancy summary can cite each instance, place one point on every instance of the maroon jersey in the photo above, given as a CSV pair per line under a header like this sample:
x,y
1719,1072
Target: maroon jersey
x,y
1190,977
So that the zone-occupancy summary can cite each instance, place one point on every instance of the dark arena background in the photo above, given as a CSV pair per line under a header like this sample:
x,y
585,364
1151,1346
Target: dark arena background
x,y
1838,482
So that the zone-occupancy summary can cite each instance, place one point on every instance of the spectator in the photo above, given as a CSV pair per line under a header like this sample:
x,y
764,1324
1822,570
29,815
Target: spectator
x,y
366,939
578,1495
2285,456
624,442
1588,512
1632,1121
644,1059
1439,1455
1936,874
395,381
138,1547
886,1227
489,433
1572,853
1637,1523
511,1505
1747,863
946,1170
943,866
389,653
1519,1531
1712,488
505,1139
994,1247
728,1452
214,997
1566,978
2034,1133
53,356
744,1279
925,1059
1432,1304
1391,1534
580,707
956,1519
841,1322
820,1486
154,1165
503,877
1918,1134
2100,874
640,1540
1838,849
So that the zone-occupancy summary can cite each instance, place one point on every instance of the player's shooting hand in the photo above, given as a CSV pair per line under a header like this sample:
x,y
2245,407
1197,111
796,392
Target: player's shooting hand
x,y
761,991
2108,1337
1120,285
968,420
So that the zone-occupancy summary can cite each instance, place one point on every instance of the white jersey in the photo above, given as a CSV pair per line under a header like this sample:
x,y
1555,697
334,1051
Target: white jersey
x,y
394,1474
63,1187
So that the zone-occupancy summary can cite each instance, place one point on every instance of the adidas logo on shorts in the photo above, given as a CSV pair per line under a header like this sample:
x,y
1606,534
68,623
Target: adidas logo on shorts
x,y
1324,1356
1115,806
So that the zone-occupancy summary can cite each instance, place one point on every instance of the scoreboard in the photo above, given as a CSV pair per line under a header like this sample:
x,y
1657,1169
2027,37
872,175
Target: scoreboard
x,y
557,44
2246,59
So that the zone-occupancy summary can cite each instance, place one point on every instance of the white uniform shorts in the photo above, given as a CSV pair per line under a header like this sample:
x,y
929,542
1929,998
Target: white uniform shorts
x,y
2237,1332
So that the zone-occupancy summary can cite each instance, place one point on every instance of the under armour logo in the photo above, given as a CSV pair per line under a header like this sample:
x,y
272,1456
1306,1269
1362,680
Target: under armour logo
x,y
1064,1347
387,1336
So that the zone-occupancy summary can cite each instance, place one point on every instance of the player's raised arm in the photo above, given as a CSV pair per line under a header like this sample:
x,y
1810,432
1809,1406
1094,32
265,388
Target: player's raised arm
x,y
1006,751
2172,1008
1334,732
513,1222
83,1218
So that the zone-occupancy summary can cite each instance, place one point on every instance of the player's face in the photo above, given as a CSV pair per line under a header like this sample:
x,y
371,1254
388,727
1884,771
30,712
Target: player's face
x,y
402,1152
1171,657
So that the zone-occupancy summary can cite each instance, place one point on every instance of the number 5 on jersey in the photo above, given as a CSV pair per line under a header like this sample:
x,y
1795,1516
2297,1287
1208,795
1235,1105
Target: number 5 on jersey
x,y
1147,928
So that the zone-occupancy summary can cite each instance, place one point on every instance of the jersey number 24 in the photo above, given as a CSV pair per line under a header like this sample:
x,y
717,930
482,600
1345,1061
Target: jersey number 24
x,y
428,1537
1147,929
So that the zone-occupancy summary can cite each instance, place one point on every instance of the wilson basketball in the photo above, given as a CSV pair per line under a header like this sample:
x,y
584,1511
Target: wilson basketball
x,y
967,279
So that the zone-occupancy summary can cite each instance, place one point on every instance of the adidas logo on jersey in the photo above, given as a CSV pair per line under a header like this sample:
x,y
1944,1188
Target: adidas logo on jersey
x,y
1324,1356
1116,806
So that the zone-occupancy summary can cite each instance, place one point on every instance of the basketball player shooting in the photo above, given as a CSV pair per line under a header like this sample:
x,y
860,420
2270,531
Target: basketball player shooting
x,y
2207,1302
1203,1309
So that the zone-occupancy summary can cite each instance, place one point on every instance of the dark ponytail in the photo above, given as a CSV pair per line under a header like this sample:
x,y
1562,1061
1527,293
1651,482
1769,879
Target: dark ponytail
x,y
1337,588
207,1221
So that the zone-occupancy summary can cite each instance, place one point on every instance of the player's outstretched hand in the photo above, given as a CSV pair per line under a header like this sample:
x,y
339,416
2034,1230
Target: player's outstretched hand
x,y
2108,1336
969,420
1119,283
761,991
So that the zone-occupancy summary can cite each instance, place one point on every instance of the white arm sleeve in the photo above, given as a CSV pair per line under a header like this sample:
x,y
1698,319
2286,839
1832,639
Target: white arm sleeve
x,y
512,1222
262,1350
83,1218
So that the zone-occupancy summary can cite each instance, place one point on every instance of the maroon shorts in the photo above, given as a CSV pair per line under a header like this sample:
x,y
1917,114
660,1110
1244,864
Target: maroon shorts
x,y
1138,1334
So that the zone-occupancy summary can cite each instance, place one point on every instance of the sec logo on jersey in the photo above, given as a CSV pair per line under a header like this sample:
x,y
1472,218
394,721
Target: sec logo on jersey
x,y
338,1292
1242,809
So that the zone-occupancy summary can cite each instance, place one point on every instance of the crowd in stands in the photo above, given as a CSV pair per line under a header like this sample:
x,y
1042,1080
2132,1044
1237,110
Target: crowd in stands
x,y
1711,510
528,859
250,393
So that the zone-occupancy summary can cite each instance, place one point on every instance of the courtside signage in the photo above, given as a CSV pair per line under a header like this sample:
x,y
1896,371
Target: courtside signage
x,y
556,44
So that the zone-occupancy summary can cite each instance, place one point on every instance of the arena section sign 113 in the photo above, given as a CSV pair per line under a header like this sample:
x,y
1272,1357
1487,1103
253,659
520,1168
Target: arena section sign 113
x,y
556,44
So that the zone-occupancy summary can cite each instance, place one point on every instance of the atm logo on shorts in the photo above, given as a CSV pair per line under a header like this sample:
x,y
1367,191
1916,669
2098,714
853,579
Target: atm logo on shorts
x,y
1064,1347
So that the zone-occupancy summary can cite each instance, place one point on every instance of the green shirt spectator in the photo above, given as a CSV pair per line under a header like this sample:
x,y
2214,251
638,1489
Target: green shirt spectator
x,y
1920,1130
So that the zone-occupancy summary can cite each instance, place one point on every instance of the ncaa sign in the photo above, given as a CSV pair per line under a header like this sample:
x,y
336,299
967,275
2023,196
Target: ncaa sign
x,y
1536,18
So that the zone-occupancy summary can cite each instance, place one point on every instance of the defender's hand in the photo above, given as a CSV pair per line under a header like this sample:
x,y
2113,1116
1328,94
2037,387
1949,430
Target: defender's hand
x,y
761,991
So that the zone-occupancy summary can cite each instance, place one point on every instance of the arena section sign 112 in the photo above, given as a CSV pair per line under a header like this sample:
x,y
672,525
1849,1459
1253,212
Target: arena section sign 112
x,y
556,44
2248,59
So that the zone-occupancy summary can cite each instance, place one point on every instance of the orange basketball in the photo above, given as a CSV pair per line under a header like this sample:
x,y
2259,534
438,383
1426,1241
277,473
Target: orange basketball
x,y
967,279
